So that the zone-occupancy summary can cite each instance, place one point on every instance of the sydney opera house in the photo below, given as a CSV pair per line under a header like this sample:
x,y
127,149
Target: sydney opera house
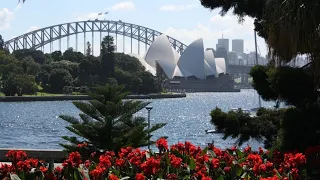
x,y
196,70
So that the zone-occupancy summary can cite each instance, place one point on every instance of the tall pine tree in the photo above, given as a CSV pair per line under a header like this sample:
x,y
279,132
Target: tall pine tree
x,y
108,123
107,58
1,43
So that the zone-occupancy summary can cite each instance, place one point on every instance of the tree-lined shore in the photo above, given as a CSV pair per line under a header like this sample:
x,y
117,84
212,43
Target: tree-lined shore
x,y
32,72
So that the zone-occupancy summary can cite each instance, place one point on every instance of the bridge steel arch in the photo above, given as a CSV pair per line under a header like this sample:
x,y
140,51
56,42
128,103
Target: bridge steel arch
x,y
41,37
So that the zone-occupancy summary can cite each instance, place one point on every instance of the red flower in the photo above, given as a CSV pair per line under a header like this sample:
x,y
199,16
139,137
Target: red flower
x,y
43,169
227,169
175,161
151,166
16,155
87,163
263,168
58,170
171,177
162,144
105,161
82,145
247,149
206,178
215,163
113,177
233,148
97,172
120,162
75,159
140,176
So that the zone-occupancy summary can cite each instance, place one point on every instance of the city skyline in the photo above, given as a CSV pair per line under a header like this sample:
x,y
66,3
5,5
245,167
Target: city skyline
x,y
162,16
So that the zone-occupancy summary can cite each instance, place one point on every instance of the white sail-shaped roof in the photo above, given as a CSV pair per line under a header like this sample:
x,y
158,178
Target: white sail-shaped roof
x,y
208,70
192,59
185,73
221,65
144,63
167,66
177,72
176,56
209,58
160,49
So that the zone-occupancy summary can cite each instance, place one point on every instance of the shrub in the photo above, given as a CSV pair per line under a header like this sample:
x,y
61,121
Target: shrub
x,y
108,123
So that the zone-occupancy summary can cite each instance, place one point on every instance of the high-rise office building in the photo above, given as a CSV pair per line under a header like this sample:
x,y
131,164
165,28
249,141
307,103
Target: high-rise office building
x,y
223,43
237,46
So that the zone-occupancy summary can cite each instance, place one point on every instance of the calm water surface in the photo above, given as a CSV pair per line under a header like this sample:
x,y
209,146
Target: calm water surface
x,y
37,125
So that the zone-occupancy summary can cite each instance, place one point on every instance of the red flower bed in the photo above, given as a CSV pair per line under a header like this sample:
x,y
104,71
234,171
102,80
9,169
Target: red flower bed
x,y
181,161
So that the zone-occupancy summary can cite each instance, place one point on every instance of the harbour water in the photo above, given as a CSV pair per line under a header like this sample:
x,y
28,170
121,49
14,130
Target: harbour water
x,y
37,125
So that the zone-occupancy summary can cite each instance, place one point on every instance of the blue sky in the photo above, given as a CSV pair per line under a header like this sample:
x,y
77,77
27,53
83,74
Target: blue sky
x,y
185,20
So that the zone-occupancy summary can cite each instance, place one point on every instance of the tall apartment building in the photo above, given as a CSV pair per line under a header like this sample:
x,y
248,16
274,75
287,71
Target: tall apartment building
x,y
237,46
223,43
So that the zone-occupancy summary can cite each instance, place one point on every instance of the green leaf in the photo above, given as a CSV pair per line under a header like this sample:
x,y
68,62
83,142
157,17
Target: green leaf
x,y
75,176
124,178
51,166
192,164
204,151
239,171
220,178
116,172
14,177
244,175
240,154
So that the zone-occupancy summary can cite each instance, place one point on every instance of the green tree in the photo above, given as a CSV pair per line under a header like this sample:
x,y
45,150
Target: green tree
x,y
43,78
30,67
37,55
56,55
108,122
1,43
59,78
148,84
19,84
128,63
72,55
107,57
294,128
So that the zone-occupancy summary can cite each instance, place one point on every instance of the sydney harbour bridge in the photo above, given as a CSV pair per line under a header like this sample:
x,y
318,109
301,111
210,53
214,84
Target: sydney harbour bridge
x,y
40,38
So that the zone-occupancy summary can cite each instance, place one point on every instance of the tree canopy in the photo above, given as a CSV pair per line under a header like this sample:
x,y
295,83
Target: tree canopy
x,y
52,72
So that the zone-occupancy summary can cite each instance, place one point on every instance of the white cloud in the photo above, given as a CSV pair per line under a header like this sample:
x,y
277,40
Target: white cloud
x,y
124,6
86,17
212,31
32,28
6,16
177,7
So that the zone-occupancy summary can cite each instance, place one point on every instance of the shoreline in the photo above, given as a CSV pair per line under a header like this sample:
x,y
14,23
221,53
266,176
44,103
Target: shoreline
x,y
83,97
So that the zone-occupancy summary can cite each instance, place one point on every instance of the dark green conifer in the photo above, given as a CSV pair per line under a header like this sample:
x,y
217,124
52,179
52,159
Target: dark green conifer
x,y
108,123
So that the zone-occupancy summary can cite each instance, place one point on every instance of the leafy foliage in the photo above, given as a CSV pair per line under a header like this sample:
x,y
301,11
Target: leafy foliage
x,y
108,122
52,71
107,57
1,43
291,128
